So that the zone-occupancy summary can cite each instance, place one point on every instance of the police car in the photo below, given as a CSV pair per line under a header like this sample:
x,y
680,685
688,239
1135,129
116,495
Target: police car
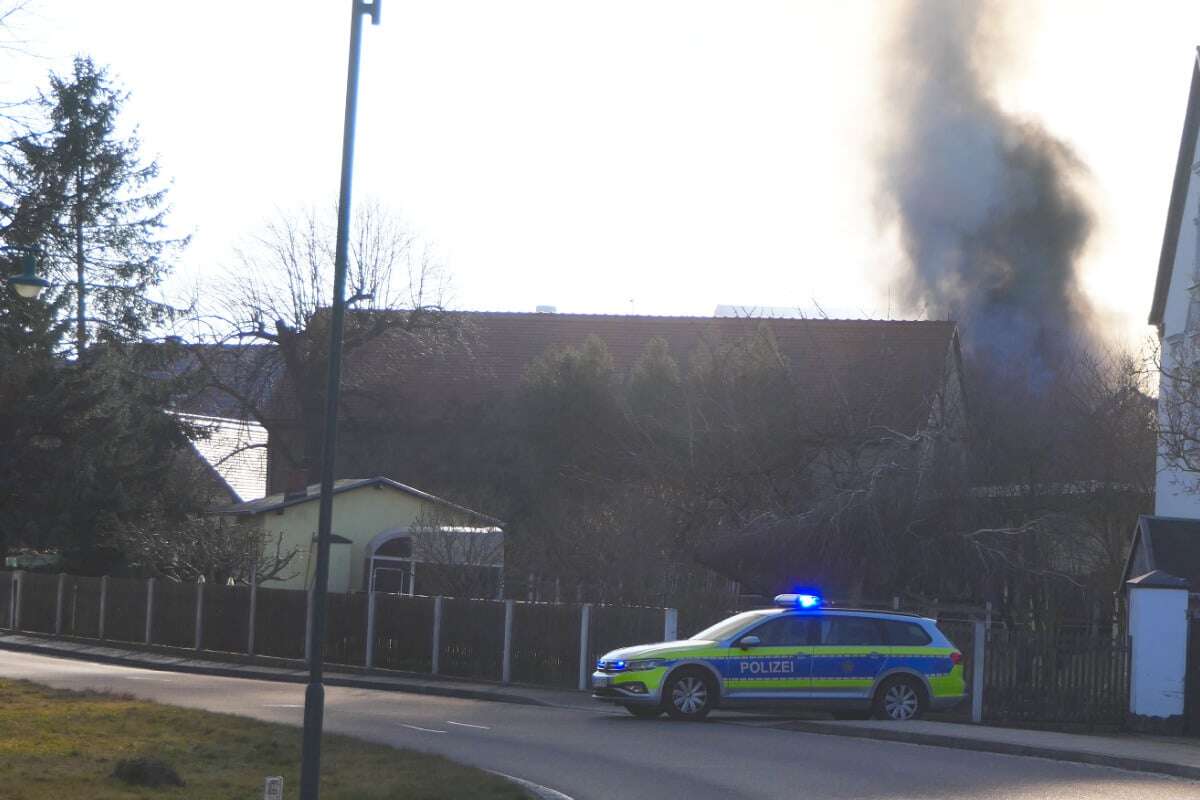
x,y
800,653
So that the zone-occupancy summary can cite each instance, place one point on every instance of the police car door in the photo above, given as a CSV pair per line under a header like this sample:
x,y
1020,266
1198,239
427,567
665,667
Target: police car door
x,y
851,653
777,666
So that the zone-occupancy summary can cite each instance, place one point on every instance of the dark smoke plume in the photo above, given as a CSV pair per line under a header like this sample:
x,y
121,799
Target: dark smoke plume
x,y
989,206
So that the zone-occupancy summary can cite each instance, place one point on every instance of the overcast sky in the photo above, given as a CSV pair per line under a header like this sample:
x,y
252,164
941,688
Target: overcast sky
x,y
654,156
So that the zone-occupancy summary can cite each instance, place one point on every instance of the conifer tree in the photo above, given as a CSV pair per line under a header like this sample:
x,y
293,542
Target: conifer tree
x,y
94,208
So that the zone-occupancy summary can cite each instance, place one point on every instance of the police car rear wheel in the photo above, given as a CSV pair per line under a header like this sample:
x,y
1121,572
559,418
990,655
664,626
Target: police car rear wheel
x,y
690,695
900,699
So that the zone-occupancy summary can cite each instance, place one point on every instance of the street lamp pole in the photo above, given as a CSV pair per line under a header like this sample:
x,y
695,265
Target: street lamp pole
x,y
314,696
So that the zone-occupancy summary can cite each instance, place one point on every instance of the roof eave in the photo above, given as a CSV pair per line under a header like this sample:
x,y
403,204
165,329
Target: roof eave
x,y
362,484
1183,165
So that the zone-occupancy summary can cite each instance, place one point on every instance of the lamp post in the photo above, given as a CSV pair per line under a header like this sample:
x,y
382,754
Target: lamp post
x,y
27,284
314,696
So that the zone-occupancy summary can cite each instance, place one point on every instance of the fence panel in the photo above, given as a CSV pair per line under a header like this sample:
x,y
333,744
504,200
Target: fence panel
x,y
545,644
472,638
346,628
280,617
621,626
174,620
125,610
81,607
39,594
6,589
404,632
1068,674
226,618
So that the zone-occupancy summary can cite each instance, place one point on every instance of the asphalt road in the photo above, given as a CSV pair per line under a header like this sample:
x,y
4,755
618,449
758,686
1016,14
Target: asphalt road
x,y
595,754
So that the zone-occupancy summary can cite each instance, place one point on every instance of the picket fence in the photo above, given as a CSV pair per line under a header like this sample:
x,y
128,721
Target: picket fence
x,y
511,641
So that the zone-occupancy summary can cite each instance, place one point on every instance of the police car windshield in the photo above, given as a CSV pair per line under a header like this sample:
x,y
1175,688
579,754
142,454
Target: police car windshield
x,y
730,626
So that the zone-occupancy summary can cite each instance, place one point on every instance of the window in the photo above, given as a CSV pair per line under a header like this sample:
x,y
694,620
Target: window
x,y
905,634
790,631
860,631
400,547
728,627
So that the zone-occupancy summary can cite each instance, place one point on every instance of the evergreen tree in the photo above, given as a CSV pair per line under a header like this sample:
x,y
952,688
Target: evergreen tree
x,y
86,445
88,201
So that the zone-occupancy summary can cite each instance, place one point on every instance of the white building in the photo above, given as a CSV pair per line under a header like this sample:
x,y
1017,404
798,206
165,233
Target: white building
x,y
1176,308
1164,562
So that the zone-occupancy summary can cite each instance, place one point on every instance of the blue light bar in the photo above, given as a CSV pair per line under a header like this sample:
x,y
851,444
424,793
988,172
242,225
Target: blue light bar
x,y
799,600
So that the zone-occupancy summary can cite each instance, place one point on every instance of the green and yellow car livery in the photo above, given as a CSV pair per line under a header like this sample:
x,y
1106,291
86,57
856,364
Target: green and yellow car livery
x,y
840,660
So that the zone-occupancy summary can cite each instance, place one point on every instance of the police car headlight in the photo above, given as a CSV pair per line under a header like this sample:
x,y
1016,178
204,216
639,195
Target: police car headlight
x,y
645,664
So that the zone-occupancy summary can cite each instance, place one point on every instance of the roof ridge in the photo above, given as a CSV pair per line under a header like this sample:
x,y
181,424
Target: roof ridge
x,y
782,320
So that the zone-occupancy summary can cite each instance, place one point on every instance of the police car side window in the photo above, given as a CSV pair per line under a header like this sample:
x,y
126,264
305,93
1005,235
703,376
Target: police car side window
x,y
785,632
853,631
906,634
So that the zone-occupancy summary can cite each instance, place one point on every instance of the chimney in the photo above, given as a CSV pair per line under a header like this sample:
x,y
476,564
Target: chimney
x,y
297,484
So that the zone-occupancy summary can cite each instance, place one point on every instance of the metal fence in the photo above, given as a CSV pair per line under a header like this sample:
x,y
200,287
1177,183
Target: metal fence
x,y
1015,674
550,644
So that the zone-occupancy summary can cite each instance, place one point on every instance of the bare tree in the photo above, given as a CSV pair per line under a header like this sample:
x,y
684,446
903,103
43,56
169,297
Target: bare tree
x,y
267,341
218,549
458,560
1177,363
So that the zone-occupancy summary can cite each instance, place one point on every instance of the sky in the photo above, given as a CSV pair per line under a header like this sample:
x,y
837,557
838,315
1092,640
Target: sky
x,y
655,157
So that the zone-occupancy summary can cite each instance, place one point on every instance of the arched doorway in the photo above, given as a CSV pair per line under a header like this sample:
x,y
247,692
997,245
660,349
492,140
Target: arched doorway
x,y
390,566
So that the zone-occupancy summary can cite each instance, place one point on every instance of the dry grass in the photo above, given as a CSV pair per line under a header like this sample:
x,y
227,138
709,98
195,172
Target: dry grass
x,y
59,744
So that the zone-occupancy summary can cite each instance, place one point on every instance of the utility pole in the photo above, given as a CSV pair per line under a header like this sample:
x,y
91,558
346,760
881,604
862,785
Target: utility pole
x,y
314,696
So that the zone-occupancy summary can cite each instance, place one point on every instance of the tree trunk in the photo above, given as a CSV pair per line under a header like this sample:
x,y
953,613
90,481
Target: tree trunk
x,y
80,284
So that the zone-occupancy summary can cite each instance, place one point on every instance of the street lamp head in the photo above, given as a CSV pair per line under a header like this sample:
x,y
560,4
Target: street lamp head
x,y
28,284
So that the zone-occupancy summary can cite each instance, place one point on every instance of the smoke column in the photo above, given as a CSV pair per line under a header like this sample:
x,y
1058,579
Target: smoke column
x,y
988,205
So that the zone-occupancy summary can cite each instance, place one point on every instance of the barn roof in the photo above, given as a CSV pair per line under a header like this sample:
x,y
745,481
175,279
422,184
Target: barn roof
x,y
887,371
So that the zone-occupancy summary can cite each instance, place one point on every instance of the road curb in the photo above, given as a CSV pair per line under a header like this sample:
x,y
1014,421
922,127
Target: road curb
x,y
541,792
1004,748
329,679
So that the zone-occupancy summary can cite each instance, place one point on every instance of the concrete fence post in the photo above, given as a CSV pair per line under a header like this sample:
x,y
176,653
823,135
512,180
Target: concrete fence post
x,y
370,659
308,643
253,613
18,589
895,602
506,661
199,613
58,603
977,656
436,661
103,604
670,624
585,620
149,632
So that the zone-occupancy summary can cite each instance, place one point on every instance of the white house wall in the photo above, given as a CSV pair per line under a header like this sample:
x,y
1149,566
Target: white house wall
x,y
1177,493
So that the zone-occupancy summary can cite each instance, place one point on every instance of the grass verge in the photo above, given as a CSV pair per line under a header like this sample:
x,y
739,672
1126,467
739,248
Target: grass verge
x,y
60,744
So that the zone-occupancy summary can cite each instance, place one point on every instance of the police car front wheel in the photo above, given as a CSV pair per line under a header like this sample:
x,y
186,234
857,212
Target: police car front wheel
x,y
690,695
900,699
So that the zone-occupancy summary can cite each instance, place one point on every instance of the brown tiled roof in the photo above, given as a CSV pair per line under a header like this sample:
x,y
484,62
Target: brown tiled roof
x,y
887,372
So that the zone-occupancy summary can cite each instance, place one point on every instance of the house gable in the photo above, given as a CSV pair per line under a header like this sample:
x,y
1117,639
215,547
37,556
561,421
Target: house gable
x,y
363,509
1174,274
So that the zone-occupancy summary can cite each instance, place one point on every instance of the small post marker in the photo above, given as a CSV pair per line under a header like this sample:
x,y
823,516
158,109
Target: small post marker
x,y
273,788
